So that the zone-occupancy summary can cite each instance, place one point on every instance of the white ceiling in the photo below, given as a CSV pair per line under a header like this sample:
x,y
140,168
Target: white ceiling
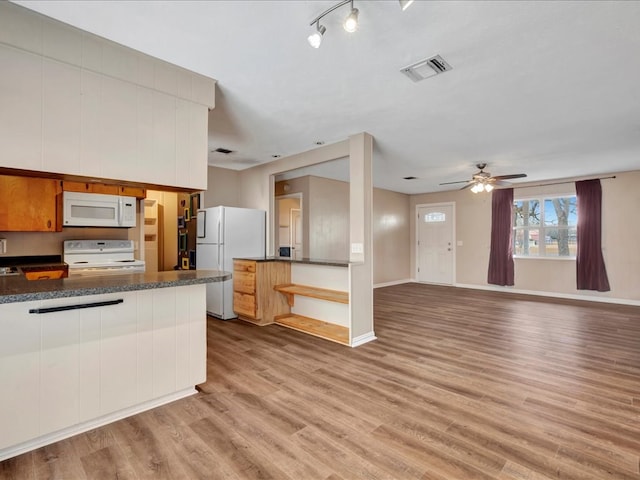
x,y
546,88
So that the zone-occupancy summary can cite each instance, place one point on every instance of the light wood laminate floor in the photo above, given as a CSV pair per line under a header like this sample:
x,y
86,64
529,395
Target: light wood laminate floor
x,y
460,384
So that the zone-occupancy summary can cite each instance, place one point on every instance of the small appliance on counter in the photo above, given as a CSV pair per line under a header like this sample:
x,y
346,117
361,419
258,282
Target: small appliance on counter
x,y
101,257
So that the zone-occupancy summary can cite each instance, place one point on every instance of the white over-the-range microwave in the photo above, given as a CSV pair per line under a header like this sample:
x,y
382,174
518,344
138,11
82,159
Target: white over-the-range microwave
x,y
98,210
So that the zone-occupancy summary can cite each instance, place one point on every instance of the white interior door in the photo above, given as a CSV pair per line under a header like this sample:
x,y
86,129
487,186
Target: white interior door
x,y
435,249
296,234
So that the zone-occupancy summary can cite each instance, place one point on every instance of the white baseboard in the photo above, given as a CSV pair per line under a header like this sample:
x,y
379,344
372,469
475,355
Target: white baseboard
x,y
91,424
395,282
362,339
568,296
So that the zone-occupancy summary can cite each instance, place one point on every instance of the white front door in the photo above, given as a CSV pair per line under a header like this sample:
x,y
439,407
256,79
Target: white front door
x,y
435,250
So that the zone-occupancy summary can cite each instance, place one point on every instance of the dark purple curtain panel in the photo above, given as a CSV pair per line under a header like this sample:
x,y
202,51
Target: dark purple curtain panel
x,y
590,268
501,256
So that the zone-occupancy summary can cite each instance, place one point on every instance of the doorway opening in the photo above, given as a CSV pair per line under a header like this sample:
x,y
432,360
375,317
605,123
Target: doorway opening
x,y
289,238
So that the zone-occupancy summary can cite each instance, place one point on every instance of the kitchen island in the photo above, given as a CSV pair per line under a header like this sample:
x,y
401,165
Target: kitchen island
x,y
313,296
81,352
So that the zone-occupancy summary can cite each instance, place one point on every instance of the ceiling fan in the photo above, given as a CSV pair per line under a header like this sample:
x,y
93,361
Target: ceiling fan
x,y
483,181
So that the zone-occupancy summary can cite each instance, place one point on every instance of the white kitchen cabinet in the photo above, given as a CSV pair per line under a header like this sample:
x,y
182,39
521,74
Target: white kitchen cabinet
x,y
118,354
91,140
61,114
119,112
164,139
21,111
19,374
140,170
89,364
144,338
59,365
197,335
191,142
76,104
63,370
164,343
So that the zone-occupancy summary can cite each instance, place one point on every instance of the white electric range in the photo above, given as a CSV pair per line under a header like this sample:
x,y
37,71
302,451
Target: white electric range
x,y
101,257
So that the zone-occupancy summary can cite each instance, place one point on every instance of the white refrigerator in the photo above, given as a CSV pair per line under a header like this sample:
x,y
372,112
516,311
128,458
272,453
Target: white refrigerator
x,y
225,233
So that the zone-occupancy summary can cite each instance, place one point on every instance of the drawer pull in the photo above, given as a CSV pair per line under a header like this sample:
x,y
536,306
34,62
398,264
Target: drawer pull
x,y
75,307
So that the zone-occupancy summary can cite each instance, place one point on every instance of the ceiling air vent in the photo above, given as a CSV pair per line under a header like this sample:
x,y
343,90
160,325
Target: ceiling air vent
x,y
426,68
226,151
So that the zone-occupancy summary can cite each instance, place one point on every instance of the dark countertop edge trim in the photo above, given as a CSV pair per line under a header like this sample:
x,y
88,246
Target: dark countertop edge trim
x,y
100,290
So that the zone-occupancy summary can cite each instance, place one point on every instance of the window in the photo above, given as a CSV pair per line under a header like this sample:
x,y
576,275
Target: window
x,y
435,217
545,227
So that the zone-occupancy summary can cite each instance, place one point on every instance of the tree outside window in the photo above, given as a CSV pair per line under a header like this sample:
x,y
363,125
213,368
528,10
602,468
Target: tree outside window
x,y
545,227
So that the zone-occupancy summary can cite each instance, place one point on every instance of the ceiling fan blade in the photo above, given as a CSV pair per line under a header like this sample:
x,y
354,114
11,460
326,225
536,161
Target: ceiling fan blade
x,y
451,183
471,183
506,177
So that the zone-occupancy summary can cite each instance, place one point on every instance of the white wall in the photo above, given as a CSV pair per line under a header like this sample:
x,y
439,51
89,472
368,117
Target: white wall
x,y
222,188
391,240
620,200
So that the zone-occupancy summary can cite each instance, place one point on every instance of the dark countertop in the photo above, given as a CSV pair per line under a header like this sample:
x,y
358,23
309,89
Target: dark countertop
x,y
19,289
309,261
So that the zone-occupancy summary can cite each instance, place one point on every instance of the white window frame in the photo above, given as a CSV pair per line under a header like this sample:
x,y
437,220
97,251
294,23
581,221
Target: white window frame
x,y
542,227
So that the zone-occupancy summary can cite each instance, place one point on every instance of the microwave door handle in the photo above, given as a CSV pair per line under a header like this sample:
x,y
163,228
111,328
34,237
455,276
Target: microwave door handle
x,y
120,211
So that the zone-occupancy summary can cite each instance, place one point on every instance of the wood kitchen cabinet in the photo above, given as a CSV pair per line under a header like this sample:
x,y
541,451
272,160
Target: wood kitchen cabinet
x,y
29,204
254,299
104,188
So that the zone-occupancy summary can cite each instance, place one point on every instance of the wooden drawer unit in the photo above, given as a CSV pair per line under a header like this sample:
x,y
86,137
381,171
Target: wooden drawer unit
x,y
254,299
245,305
244,276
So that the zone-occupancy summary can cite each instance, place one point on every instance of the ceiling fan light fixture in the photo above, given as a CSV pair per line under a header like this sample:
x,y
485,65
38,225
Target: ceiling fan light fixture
x,y
351,22
477,188
488,187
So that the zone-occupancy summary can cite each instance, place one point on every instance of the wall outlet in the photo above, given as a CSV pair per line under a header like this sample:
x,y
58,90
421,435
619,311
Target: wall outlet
x,y
357,248
3,246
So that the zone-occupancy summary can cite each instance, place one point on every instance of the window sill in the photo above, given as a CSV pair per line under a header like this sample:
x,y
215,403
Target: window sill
x,y
561,259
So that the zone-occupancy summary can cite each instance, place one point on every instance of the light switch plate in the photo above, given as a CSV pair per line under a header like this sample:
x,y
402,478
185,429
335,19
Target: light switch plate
x,y
3,246
357,248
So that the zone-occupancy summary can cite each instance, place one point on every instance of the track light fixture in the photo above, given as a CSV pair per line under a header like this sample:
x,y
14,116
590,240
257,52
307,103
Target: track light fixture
x,y
315,39
350,23
404,4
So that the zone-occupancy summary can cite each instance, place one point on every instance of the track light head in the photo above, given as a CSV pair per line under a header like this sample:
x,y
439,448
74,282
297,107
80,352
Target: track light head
x,y
315,39
351,22
404,4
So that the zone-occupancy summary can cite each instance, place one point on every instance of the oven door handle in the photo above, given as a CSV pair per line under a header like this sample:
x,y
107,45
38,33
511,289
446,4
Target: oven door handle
x,y
78,306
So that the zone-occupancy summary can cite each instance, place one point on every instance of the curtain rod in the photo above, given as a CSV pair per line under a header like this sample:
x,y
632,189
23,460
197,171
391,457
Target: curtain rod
x,y
562,183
